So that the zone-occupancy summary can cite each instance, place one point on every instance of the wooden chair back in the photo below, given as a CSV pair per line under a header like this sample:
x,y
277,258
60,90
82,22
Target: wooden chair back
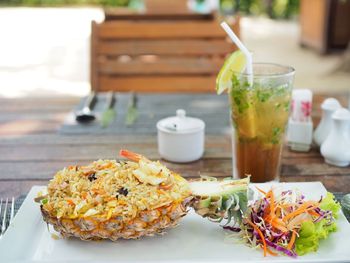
x,y
157,56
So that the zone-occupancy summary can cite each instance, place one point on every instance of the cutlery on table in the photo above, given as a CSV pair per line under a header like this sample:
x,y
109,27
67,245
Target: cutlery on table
x,y
109,113
4,224
131,114
86,114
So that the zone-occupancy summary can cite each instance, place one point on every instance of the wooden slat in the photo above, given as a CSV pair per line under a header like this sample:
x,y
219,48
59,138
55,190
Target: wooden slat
x,y
169,14
17,188
51,104
25,127
33,115
216,146
93,57
311,167
77,152
161,66
158,84
165,47
333,183
163,30
178,6
55,139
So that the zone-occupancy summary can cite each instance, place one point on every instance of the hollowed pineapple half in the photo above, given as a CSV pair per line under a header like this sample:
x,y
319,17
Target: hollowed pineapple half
x,y
130,199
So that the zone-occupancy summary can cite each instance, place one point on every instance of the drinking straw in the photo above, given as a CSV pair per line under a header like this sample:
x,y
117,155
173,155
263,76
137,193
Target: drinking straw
x,y
242,47
250,117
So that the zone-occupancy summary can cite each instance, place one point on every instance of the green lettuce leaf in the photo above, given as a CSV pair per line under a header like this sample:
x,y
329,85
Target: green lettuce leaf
x,y
329,203
311,233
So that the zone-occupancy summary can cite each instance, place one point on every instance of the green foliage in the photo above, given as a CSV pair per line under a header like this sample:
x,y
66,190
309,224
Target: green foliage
x,y
273,8
122,3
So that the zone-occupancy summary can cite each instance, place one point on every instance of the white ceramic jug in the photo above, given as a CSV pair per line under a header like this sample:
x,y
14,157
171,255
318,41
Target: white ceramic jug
x,y
329,106
336,148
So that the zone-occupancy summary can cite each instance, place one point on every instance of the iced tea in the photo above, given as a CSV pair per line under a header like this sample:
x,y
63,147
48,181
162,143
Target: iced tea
x,y
259,115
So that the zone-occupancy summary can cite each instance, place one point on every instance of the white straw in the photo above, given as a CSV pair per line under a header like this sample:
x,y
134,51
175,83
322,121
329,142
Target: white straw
x,y
242,47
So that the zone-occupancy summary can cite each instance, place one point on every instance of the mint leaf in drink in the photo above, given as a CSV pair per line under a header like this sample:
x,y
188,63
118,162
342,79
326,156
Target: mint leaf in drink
x,y
286,106
263,95
240,94
276,134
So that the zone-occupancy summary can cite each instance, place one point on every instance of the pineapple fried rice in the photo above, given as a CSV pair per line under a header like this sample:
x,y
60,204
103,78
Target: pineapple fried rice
x,y
110,200
89,197
107,188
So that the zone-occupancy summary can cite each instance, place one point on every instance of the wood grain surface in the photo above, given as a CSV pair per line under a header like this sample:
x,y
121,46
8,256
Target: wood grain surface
x,y
158,54
31,150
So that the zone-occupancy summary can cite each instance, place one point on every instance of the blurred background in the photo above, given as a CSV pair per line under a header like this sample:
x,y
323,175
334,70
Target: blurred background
x,y
45,44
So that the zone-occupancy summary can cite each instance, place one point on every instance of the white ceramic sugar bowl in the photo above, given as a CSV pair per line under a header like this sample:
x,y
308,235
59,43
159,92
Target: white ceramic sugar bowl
x,y
181,138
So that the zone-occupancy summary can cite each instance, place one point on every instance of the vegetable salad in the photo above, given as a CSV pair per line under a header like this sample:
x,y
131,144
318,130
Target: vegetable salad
x,y
288,223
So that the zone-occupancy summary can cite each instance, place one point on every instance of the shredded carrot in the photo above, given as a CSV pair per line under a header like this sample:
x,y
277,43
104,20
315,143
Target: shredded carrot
x,y
283,218
267,217
166,186
313,213
278,226
70,202
98,191
272,204
160,191
292,240
260,234
260,190
303,208
121,202
84,195
278,211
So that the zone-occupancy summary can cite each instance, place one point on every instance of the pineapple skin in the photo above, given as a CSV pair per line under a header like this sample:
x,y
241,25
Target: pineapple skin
x,y
146,223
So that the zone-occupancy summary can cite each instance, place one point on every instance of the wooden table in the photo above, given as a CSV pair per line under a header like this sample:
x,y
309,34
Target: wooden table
x,y
31,150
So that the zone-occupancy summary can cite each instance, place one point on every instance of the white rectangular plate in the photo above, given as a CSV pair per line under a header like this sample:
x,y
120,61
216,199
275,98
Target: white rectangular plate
x,y
194,240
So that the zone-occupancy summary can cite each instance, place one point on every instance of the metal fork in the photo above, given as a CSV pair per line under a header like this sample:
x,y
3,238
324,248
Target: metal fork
x,y
6,223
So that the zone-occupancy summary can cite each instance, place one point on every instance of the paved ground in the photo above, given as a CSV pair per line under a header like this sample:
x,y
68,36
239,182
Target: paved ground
x,y
278,41
45,51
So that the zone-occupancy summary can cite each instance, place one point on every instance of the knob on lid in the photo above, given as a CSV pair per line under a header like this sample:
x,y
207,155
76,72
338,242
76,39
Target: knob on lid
x,y
180,123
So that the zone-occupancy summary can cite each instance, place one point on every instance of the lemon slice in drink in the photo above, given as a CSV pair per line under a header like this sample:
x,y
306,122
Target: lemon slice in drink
x,y
236,62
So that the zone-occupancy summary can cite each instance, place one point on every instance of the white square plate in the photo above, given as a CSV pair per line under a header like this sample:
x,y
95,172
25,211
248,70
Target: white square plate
x,y
194,240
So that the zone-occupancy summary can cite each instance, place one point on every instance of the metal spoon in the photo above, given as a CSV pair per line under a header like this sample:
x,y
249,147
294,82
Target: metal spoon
x,y
86,114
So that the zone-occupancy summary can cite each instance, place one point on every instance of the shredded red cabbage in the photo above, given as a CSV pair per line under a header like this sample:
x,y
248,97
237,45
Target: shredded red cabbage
x,y
275,229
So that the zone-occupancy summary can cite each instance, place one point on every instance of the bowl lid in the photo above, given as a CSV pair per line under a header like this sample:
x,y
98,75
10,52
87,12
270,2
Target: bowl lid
x,y
180,123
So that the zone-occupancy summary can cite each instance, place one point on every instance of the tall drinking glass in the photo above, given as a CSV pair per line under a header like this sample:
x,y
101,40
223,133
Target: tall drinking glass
x,y
259,114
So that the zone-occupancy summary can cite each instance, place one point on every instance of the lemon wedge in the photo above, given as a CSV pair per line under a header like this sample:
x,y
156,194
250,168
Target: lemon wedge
x,y
236,62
